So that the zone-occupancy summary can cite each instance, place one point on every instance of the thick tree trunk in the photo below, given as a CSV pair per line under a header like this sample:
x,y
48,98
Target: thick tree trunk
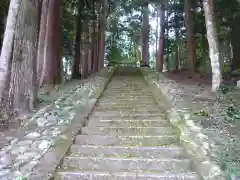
x,y
52,66
160,59
191,47
76,65
96,47
8,41
93,45
3,15
235,38
90,48
177,50
41,54
214,52
23,81
145,35
157,31
86,48
103,22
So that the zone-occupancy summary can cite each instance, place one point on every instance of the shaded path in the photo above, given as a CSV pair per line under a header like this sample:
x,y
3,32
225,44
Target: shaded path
x,y
127,137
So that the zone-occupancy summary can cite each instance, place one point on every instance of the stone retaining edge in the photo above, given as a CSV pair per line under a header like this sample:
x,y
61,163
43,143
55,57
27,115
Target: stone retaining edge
x,y
189,134
45,170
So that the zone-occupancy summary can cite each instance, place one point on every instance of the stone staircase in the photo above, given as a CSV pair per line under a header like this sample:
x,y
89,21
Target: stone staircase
x,y
127,137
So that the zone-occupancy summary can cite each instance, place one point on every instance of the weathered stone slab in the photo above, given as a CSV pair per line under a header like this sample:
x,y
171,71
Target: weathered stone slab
x,y
128,123
126,140
125,176
128,152
151,131
127,164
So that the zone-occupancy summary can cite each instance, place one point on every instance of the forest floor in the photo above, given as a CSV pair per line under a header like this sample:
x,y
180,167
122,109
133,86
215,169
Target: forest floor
x,y
219,116
46,97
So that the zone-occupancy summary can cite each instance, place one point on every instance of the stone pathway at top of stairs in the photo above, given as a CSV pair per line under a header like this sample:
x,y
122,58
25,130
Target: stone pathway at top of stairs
x,y
127,137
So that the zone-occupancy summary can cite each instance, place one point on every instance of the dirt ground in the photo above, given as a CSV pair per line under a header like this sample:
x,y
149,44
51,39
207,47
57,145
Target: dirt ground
x,y
226,133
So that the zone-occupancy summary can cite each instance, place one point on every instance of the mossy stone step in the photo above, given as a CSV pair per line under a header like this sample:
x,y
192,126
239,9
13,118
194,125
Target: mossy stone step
x,y
126,140
94,175
127,131
128,109
128,117
128,152
126,113
128,123
122,106
126,164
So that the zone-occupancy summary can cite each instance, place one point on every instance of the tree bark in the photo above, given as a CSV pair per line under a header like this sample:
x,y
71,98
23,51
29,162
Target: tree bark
x,y
157,31
103,22
214,51
23,81
145,35
191,45
76,65
41,54
52,66
8,41
160,59
235,38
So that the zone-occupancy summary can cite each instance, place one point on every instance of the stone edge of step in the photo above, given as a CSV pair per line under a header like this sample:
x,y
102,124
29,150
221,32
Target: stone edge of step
x,y
46,169
127,151
187,176
179,165
202,164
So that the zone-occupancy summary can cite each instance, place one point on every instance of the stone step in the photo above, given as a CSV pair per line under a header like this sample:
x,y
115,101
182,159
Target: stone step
x,y
126,140
94,175
127,131
126,164
125,113
127,109
128,152
126,89
128,123
127,101
119,96
107,105
131,85
124,99
127,117
126,92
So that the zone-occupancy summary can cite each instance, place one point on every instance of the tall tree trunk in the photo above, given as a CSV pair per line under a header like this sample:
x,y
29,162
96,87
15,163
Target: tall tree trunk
x,y
3,16
85,49
167,44
41,54
191,45
90,48
84,54
160,59
96,43
214,51
52,65
203,32
177,50
145,35
103,22
23,81
235,38
76,65
8,41
157,31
